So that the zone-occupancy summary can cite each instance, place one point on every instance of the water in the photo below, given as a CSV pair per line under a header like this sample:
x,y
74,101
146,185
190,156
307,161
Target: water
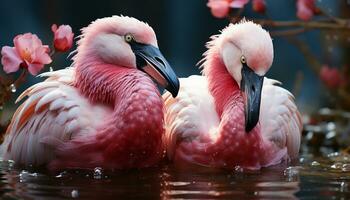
x,y
13,88
328,179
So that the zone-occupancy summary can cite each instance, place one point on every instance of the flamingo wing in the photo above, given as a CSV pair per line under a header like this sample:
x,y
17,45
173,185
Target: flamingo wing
x,y
279,117
191,114
54,113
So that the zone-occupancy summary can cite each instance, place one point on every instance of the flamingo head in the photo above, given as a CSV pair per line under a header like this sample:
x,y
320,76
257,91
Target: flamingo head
x,y
125,42
247,52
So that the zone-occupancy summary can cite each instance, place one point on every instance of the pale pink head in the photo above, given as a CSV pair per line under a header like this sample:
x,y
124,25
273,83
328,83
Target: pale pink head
x,y
125,42
246,50
248,41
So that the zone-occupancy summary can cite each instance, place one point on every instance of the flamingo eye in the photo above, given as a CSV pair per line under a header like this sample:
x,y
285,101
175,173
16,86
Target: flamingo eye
x,y
243,60
128,37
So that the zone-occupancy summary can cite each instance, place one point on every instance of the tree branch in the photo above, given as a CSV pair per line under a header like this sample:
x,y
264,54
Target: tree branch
x,y
340,24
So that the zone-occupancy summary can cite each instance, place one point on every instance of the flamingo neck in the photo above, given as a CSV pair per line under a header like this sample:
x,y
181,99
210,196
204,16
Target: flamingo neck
x,y
137,113
222,86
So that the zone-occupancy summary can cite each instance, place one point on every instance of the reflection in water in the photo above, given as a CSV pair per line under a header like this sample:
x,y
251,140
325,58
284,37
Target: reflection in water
x,y
330,178
202,183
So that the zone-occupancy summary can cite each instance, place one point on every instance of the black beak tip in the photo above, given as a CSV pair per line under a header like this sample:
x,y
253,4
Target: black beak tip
x,y
174,87
248,128
251,85
148,54
252,120
174,94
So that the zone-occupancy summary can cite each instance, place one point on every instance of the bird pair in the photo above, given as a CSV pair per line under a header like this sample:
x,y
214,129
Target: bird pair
x,y
105,110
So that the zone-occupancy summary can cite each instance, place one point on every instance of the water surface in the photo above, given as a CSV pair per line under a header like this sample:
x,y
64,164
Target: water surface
x,y
326,177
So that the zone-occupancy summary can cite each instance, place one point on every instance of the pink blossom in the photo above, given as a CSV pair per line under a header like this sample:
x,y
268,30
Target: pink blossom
x,y
238,3
28,52
331,76
306,9
221,8
63,37
259,6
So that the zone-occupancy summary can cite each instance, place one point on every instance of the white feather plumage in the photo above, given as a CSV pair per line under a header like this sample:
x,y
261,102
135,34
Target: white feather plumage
x,y
59,114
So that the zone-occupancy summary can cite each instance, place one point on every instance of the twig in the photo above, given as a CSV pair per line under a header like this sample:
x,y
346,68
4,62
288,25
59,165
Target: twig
x,y
298,83
21,78
295,27
53,52
319,24
331,17
288,32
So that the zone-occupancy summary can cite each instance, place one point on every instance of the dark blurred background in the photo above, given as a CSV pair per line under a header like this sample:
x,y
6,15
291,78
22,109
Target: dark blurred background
x,y
183,27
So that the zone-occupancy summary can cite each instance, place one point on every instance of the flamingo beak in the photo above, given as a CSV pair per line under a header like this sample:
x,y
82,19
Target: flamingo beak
x,y
251,86
150,60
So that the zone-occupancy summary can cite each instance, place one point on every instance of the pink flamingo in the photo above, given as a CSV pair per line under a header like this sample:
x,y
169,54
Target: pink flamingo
x,y
102,112
214,121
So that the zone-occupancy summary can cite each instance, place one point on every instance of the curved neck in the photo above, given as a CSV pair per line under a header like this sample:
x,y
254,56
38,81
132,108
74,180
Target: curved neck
x,y
221,84
116,86
137,113
101,82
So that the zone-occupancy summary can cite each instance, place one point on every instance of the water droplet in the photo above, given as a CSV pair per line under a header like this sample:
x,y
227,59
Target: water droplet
x,y
315,163
23,172
334,154
291,171
51,69
331,126
11,163
98,173
13,88
330,135
337,165
1,107
75,193
62,174
302,160
164,175
238,169
346,168
309,136
343,187
23,175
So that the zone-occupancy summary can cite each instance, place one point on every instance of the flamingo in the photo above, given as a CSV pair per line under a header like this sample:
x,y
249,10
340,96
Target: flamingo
x,y
217,121
103,111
